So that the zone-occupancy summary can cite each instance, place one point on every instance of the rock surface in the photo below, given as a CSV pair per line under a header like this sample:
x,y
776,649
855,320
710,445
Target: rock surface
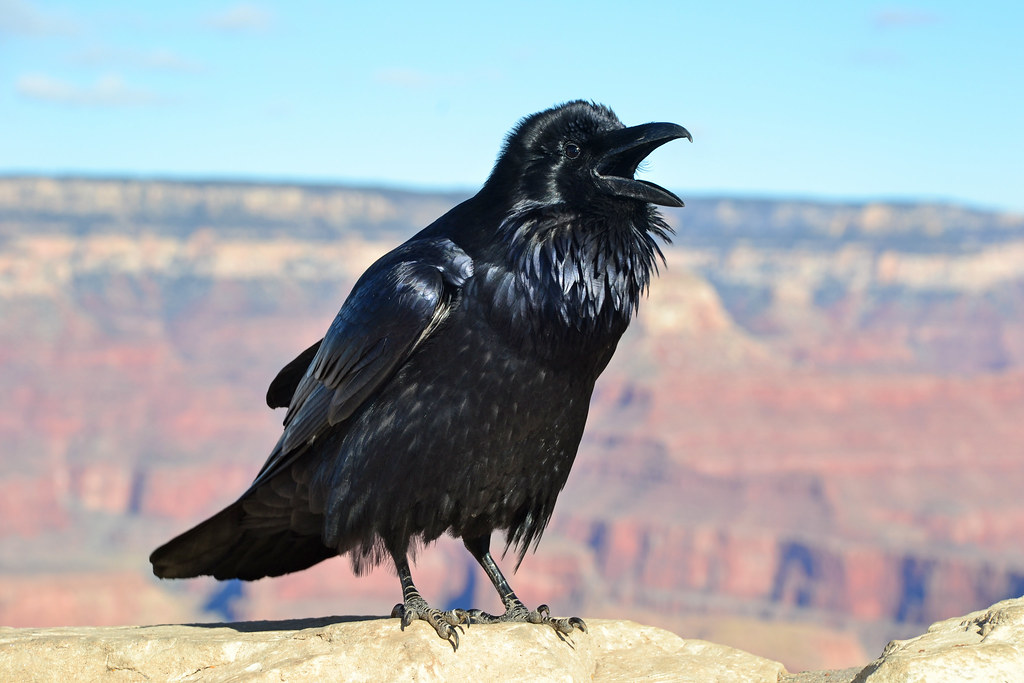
x,y
987,645
369,649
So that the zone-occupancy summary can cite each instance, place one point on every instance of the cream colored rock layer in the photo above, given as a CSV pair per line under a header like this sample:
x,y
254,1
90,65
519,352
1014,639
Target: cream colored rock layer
x,y
370,650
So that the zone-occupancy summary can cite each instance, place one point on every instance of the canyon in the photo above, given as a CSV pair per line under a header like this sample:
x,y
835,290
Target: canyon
x,y
810,434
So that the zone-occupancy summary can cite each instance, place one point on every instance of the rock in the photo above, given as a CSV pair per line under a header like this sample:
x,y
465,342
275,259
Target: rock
x,y
987,645
368,649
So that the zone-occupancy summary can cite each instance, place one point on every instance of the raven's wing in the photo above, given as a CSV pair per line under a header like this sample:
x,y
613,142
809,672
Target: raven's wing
x,y
281,390
397,303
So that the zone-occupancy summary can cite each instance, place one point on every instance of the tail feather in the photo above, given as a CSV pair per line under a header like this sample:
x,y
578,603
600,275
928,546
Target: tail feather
x,y
225,548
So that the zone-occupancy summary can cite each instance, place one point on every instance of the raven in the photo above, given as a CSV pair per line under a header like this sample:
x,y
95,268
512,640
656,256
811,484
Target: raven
x,y
450,393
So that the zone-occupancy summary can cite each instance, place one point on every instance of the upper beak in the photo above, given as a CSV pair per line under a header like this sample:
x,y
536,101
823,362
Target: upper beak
x,y
621,151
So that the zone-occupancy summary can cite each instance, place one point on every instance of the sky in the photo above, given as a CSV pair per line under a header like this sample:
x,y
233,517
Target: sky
x,y
846,101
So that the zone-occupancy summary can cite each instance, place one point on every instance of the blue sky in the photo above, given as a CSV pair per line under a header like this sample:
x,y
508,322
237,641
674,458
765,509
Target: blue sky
x,y
843,100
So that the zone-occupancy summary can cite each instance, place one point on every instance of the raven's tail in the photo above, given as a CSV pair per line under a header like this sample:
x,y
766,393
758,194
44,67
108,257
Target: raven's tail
x,y
229,546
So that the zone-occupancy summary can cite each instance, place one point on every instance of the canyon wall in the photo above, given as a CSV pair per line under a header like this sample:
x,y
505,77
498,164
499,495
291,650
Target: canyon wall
x,y
813,425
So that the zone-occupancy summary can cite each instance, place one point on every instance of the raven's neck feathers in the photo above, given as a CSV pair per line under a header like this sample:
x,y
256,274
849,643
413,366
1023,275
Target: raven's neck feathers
x,y
589,270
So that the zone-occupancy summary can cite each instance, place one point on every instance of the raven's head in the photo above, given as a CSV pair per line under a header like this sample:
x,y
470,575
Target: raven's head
x,y
581,154
577,232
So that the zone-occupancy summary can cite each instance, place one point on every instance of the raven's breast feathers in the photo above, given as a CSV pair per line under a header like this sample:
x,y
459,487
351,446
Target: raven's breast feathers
x,y
587,270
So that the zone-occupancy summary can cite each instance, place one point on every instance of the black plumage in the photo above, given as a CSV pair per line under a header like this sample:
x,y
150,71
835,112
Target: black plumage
x,y
451,391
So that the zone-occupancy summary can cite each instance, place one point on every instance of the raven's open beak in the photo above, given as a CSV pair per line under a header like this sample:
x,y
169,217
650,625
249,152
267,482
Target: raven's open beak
x,y
621,151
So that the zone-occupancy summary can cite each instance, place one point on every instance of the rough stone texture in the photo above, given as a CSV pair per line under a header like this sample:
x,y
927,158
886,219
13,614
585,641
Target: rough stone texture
x,y
832,676
369,649
987,645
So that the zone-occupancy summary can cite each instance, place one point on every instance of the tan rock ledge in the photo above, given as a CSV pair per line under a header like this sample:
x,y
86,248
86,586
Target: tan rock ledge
x,y
369,649
987,645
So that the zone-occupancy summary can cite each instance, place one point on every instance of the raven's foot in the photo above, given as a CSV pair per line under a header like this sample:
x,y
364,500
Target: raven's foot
x,y
447,624
517,612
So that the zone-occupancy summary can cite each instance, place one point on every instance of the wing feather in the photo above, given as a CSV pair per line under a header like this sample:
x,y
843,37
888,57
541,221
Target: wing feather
x,y
393,308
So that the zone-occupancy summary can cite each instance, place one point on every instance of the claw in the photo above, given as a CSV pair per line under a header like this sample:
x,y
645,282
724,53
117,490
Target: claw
x,y
448,625
516,612
566,626
578,623
447,630
457,617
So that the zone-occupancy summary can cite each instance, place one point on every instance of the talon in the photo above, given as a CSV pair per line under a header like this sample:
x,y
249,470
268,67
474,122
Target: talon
x,y
447,624
516,612
456,617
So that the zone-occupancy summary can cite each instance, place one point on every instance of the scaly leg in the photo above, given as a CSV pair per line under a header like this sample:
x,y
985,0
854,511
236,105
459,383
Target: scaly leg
x,y
514,608
447,624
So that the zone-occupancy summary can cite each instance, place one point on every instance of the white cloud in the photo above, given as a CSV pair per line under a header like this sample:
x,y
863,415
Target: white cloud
x,y
243,17
22,19
108,91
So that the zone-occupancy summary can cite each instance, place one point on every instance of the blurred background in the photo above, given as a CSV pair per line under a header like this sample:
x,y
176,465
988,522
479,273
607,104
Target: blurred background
x,y
809,441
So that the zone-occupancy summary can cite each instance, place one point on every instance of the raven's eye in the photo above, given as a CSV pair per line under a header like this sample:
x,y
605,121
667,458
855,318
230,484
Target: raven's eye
x,y
571,150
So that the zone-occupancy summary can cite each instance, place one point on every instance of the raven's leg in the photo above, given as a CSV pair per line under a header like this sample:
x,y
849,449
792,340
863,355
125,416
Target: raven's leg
x,y
447,624
480,548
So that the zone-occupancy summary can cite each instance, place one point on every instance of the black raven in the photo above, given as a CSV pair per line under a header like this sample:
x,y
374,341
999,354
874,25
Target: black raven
x,y
450,393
